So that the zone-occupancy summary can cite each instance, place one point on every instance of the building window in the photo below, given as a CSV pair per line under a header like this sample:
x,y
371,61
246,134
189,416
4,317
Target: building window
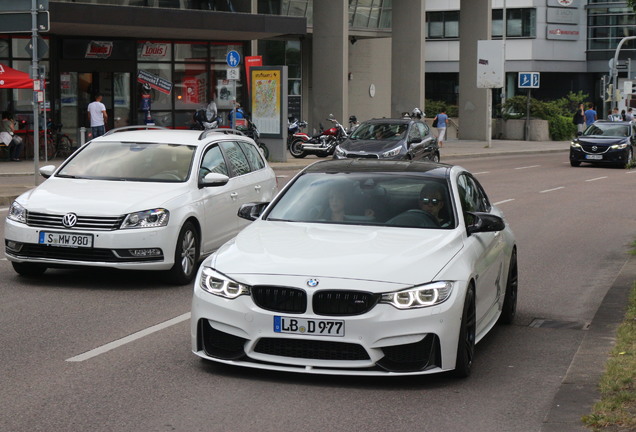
x,y
442,25
370,14
520,23
607,25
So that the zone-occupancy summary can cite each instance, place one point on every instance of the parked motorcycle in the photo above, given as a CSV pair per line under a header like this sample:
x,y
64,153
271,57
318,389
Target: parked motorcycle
x,y
294,130
322,144
251,131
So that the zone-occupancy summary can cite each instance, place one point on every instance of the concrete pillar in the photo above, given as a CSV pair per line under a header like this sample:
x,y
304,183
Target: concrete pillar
x,y
474,24
330,62
407,58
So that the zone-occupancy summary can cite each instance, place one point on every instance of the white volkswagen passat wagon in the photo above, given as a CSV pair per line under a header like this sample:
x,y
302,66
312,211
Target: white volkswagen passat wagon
x,y
143,198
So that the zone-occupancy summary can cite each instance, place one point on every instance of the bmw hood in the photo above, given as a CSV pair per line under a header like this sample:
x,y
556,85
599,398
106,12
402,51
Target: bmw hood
x,y
348,252
98,197
369,146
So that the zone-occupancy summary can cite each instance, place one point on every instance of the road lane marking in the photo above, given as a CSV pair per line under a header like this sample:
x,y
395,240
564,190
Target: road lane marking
x,y
630,172
594,179
131,338
504,201
526,167
4,209
553,189
483,172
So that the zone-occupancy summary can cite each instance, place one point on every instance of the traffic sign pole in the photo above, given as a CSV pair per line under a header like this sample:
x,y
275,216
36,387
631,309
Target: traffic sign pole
x,y
35,74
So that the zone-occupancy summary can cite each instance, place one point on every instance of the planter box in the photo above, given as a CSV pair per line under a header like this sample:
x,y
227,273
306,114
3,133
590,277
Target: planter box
x,y
515,130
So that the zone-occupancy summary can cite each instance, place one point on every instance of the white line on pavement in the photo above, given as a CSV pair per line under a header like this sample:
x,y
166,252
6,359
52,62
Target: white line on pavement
x,y
131,338
504,201
594,179
552,190
526,167
630,172
3,209
483,172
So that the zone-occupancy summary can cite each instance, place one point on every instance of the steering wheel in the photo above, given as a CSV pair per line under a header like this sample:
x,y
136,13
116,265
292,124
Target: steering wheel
x,y
426,220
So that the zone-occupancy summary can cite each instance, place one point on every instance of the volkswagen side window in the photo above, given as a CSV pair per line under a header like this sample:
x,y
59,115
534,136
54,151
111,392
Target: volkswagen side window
x,y
236,158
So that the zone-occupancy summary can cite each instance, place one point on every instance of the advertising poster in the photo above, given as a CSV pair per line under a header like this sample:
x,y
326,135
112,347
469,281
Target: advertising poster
x,y
266,99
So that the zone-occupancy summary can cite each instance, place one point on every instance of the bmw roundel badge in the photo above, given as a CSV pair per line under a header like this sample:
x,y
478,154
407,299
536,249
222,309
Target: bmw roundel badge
x,y
312,283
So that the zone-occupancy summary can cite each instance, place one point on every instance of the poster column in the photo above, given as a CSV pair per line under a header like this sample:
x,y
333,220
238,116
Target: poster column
x,y
269,107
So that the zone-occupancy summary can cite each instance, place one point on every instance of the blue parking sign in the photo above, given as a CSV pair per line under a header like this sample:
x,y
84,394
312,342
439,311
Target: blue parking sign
x,y
529,80
233,58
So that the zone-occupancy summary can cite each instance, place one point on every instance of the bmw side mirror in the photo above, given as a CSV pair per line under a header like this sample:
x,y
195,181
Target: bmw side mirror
x,y
484,222
252,211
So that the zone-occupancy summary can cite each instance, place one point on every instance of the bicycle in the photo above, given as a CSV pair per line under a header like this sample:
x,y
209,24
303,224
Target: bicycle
x,y
58,144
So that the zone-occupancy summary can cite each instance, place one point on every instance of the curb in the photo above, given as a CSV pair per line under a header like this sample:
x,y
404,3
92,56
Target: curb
x,y
579,389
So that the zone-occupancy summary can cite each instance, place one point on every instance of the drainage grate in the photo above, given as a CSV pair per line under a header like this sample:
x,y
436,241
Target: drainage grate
x,y
556,324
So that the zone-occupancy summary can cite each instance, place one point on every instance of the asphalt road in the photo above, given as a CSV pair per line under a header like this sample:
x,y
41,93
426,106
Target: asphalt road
x,y
96,350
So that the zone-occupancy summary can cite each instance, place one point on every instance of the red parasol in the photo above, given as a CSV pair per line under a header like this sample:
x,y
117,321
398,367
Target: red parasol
x,y
14,79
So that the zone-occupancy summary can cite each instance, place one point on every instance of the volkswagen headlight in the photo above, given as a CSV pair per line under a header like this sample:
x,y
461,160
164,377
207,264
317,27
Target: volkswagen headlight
x,y
422,296
393,152
146,219
17,213
220,285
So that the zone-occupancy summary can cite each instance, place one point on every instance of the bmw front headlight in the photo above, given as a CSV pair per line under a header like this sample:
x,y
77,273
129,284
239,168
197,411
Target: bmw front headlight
x,y
152,218
393,152
422,296
17,213
220,285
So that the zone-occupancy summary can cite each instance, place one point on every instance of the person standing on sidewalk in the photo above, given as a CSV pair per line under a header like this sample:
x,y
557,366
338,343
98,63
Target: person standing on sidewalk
x,y
97,116
579,118
590,115
8,137
440,122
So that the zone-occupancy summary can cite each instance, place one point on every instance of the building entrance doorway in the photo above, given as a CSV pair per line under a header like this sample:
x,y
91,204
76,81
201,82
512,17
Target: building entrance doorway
x,y
78,89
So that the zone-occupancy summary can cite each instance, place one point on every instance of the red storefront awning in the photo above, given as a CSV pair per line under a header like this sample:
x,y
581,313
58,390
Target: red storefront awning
x,y
14,79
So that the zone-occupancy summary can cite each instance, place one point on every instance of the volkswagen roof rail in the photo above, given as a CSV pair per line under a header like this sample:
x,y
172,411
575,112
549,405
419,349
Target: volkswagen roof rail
x,y
226,131
135,127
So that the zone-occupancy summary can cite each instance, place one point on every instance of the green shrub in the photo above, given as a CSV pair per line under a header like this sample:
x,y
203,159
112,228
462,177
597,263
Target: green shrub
x,y
432,108
561,128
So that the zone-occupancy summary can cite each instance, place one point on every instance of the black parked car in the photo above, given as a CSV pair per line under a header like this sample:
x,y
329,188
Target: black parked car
x,y
604,142
404,138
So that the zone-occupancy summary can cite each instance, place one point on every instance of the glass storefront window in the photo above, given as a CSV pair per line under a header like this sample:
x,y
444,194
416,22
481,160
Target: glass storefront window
x,y
189,87
4,48
190,51
154,51
159,118
159,99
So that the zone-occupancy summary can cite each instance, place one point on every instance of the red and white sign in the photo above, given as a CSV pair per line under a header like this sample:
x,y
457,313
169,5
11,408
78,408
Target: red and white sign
x,y
154,50
99,49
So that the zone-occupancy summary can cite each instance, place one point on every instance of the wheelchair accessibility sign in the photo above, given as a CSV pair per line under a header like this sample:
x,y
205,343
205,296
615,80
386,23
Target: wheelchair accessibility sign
x,y
529,80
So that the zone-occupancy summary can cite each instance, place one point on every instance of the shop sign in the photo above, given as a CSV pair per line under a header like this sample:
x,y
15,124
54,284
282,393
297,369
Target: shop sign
x,y
154,50
99,49
562,3
563,32
154,81
563,16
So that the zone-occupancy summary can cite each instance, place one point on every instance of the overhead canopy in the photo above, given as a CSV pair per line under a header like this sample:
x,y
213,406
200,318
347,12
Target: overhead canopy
x,y
14,79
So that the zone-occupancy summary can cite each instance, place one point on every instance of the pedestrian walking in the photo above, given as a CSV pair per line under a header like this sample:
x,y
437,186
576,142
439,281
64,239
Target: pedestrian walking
x,y
97,116
440,122
629,115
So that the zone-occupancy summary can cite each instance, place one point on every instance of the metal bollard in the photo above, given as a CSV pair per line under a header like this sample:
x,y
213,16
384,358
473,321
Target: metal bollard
x,y
82,136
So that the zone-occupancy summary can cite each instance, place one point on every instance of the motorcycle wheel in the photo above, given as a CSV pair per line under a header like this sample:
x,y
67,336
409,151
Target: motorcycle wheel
x,y
264,150
296,149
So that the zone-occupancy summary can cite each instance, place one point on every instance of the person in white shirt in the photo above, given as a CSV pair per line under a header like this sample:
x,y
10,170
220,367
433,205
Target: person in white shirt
x,y
97,116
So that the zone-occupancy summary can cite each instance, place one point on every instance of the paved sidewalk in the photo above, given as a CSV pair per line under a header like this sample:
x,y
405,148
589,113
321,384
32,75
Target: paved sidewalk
x,y
14,176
